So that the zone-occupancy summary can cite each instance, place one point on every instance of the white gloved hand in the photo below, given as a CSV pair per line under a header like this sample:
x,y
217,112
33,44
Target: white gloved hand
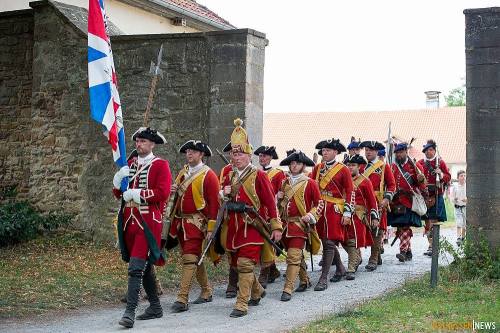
x,y
133,194
118,177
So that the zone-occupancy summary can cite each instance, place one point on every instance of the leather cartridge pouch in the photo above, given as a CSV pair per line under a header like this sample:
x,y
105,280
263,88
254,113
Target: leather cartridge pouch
x,y
238,206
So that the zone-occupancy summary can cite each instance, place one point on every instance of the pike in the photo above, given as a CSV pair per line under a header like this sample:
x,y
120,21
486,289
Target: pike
x,y
157,73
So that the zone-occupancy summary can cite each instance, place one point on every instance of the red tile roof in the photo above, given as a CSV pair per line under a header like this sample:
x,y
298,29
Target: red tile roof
x,y
198,9
303,130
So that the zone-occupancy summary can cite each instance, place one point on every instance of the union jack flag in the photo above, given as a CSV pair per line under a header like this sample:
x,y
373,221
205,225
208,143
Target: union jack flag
x,y
105,107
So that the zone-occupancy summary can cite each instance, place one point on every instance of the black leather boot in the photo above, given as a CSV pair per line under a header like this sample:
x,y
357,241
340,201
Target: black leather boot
x,y
135,272
154,309
328,253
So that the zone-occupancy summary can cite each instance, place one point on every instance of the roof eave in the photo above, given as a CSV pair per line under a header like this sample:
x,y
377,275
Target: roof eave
x,y
170,11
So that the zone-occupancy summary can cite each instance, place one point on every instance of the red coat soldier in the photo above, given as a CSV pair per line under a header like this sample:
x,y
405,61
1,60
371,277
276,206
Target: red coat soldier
x,y
232,284
409,179
438,177
365,216
384,185
335,185
249,190
298,204
140,221
269,272
195,211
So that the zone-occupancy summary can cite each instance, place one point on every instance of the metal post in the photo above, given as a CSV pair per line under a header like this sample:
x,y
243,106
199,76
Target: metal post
x,y
435,254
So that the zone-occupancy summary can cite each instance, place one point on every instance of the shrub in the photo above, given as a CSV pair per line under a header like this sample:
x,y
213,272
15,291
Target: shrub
x,y
473,259
19,222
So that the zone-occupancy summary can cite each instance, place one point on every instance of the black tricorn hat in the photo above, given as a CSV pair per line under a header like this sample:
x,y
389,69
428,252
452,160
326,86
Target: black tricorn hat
x,y
196,145
149,134
227,147
356,159
332,144
297,156
267,150
375,145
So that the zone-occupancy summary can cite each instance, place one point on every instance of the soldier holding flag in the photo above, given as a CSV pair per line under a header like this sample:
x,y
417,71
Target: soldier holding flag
x,y
140,221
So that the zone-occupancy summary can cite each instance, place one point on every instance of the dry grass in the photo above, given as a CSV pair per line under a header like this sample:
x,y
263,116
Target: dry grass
x,y
64,271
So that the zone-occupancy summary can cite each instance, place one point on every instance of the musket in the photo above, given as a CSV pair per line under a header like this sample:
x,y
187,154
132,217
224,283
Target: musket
x,y
222,156
264,229
218,224
395,238
157,73
308,230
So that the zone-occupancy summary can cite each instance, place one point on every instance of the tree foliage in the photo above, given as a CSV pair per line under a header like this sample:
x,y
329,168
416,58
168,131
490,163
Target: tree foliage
x,y
456,97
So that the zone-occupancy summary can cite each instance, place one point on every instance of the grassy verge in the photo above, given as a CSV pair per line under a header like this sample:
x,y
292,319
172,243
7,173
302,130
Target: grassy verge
x,y
417,308
64,271
468,291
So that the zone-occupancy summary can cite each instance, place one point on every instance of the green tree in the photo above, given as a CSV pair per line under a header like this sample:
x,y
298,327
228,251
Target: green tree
x,y
456,97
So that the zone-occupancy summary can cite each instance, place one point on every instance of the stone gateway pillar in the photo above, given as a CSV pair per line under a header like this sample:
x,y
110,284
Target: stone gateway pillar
x,y
482,50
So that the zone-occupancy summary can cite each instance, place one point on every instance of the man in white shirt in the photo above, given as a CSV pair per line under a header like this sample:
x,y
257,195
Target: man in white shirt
x,y
459,199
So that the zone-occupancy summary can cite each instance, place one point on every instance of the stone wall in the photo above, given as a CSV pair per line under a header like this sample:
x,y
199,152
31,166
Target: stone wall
x,y
209,79
16,40
482,49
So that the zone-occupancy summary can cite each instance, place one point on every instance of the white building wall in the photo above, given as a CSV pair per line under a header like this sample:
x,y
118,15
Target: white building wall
x,y
129,19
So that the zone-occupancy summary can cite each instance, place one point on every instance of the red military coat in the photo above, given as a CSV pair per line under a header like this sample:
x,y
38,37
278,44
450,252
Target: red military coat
x,y
365,209
429,166
403,189
256,191
224,173
276,176
197,207
335,185
383,182
303,198
154,181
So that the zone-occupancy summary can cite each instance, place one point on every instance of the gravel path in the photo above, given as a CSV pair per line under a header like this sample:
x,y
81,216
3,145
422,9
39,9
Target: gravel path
x,y
271,315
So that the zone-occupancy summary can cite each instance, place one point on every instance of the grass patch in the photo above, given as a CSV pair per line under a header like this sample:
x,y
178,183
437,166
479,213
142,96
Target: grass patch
x,y
467,291
417,308
65,271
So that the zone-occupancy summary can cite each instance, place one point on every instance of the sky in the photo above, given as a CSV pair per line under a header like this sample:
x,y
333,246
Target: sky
x,y
355,55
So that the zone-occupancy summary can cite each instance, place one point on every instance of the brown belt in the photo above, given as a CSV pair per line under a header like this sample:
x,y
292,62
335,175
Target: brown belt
x,y
132,204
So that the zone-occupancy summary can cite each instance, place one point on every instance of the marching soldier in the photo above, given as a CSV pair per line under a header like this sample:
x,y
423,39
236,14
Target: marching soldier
x,y
195,211
409,179
232,284
269,272
228,167
298,204
251,197
381,154
336,188
140,221
365,216
438,177
382,179
353,148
